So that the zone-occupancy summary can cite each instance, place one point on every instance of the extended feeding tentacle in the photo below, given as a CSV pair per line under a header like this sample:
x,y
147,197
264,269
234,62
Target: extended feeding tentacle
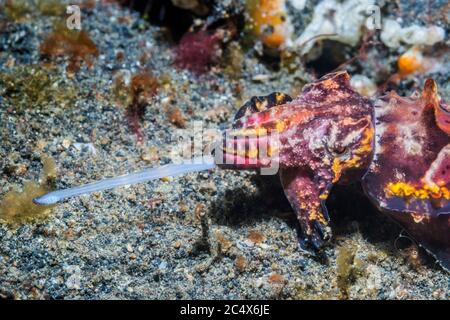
x,y
197,164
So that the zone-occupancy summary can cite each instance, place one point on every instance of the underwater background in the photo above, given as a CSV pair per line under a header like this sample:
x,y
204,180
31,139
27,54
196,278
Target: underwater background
x,y
80,105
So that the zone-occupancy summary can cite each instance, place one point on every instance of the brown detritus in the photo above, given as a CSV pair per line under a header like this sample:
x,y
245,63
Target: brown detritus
x,y
291,61
124,20
69,234
150,155
18,207
166,81
413,256
121,91
32,86
199,211
224,243
277,279
50,171
90,4
347,269
166,179
202,244
256,237
120,56
216,114
152,203
407,248
279,283
76,45
183,207
143,88
135,97
177,244
6,295
241,263
176,117
233,60
15,170
145,56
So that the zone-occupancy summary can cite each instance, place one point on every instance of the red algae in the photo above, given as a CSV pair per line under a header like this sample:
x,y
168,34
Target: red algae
x,y
74,44
197,51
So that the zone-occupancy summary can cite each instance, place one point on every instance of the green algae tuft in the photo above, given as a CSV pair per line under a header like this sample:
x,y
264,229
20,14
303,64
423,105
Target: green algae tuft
x,y
20,10
18,208
38,87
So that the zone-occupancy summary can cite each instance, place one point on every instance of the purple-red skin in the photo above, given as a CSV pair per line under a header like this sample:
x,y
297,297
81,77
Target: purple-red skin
x,y
330,134
410,173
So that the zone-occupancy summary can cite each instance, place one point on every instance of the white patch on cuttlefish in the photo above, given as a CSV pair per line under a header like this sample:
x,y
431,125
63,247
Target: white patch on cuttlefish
x,y
409,138
443,155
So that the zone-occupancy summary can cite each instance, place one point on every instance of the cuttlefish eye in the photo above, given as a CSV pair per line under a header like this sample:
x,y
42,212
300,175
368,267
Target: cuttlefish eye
x,y
336,149
339,150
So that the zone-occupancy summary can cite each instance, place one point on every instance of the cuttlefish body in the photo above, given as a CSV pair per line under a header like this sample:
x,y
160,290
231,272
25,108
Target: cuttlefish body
x,y
399,148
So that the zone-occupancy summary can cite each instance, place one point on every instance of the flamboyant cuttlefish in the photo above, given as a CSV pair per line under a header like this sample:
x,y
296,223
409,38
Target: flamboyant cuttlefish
x,y
399,148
